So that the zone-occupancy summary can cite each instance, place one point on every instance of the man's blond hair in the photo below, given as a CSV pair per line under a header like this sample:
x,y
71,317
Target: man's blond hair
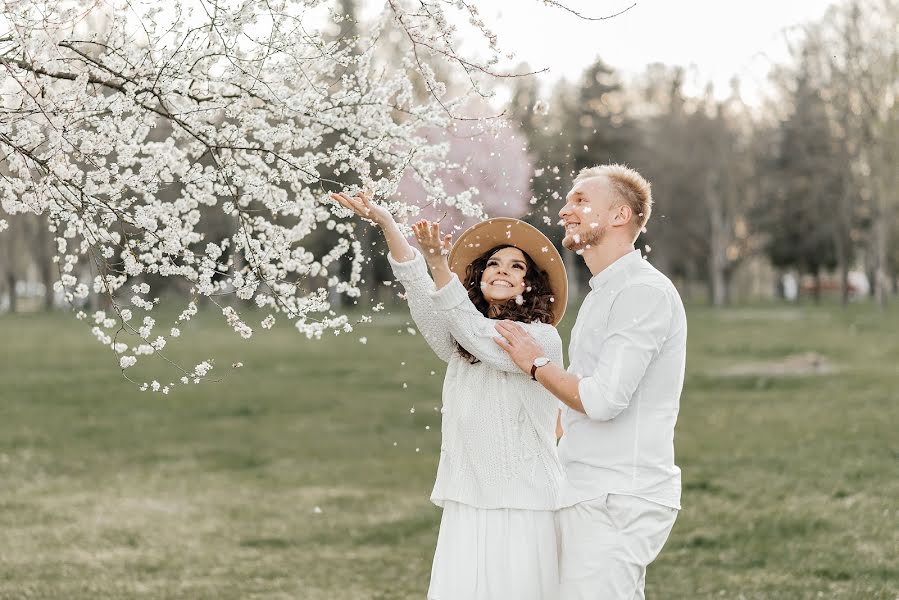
x,y
629,186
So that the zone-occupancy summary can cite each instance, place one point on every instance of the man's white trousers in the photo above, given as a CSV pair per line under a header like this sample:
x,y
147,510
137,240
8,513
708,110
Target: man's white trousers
x,y
606,545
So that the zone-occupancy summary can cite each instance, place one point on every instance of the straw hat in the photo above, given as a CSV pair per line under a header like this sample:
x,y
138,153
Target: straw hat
x,y
499,231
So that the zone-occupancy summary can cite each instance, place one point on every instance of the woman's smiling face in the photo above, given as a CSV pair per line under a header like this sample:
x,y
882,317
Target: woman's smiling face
x,y
503,278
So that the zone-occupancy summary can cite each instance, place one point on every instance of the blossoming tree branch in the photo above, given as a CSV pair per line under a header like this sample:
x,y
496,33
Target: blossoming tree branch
x,y
130,126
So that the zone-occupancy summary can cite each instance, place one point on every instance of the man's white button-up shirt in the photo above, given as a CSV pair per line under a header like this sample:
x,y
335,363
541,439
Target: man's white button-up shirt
x,y
629,348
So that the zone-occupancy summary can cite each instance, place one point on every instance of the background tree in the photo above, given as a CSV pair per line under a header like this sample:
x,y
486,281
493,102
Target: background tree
x,y
807,189
698,153
861,48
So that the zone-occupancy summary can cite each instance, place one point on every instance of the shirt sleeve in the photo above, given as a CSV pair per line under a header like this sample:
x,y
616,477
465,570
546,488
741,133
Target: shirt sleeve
x,y
476,333
639,321
432,324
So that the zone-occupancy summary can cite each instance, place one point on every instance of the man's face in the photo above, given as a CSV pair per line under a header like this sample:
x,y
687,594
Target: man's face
x,y
586,213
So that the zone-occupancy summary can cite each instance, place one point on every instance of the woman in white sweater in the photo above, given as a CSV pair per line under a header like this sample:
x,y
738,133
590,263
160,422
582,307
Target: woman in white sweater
x,y
498,475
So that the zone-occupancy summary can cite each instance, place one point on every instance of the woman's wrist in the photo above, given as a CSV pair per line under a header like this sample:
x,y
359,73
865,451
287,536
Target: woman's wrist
x,y
387,222
440,271
397,245
436,261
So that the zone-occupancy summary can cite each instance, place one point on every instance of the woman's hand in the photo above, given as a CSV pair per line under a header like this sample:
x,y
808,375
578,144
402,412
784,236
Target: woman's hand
x,y
434,247
363,207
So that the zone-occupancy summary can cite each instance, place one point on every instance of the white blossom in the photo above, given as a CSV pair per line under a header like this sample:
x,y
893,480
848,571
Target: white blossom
x,y
213,251
134,149
233,319
202,369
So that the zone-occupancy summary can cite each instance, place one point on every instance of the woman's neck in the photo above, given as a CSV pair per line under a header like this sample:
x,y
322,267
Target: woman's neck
x,y
494,310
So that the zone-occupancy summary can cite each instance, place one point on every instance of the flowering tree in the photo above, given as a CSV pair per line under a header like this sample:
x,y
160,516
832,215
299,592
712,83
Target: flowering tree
x,y
130,127
494,167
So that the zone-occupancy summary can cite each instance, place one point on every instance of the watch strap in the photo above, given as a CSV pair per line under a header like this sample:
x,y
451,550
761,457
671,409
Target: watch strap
x,y
534,368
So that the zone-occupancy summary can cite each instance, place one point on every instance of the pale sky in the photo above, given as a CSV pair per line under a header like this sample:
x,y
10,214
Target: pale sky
x,y
717,38
720,38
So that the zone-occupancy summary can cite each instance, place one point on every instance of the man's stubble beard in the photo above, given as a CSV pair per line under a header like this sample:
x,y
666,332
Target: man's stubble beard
x,y
592,238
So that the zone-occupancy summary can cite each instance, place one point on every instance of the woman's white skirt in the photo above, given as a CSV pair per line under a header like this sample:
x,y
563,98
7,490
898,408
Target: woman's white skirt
x,y
495,554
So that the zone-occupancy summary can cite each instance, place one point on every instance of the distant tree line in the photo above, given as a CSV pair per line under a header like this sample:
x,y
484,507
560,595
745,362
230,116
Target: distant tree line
x,y
808,181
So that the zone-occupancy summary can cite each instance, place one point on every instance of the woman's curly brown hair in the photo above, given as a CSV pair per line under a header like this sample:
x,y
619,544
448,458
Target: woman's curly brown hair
x,y
537,305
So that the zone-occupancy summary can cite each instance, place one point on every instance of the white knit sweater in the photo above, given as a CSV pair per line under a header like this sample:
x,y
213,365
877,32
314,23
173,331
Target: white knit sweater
x,y
498,448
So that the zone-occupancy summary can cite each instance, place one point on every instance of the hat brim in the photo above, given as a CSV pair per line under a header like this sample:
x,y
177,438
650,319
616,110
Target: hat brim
x,y
500,231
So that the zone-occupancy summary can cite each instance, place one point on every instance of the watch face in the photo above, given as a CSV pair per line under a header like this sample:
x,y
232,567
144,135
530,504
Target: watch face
x,y
541,361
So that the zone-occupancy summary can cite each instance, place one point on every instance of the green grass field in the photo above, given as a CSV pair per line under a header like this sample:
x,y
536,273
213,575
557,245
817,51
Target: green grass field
x,y
791,483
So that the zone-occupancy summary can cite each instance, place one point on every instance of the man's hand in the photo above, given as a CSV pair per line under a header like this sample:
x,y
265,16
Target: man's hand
x,y
522,348
518,344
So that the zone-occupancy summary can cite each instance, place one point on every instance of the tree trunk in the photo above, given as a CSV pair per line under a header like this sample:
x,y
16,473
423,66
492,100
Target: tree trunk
x,y
844,282
842,252
728,285
868,265
880,238
717,280
817,287
11,289
717,242
843,229
48,280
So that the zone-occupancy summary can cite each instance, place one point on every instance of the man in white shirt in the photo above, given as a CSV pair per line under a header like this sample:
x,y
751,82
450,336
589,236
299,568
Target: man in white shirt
x,y
620,395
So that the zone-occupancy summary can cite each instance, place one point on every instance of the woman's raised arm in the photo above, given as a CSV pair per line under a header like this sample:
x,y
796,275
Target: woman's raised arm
x,y
378,215
409,269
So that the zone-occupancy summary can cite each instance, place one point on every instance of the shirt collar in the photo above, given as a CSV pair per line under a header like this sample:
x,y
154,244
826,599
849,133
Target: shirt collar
x,y
604,276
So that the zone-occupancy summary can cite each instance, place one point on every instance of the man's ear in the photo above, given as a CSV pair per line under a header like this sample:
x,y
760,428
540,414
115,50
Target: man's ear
x,y
623,215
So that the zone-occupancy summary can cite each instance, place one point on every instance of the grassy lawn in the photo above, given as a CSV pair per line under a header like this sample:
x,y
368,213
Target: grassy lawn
x,y
305,474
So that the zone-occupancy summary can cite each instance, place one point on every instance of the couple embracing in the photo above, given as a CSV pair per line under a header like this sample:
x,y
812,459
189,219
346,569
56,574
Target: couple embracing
x,y
523,518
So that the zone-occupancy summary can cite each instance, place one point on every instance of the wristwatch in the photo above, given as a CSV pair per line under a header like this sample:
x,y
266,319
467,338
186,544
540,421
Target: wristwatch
x,y
540,361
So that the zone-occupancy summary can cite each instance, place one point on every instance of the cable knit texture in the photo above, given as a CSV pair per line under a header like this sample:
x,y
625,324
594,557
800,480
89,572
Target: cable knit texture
x,y
498,448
